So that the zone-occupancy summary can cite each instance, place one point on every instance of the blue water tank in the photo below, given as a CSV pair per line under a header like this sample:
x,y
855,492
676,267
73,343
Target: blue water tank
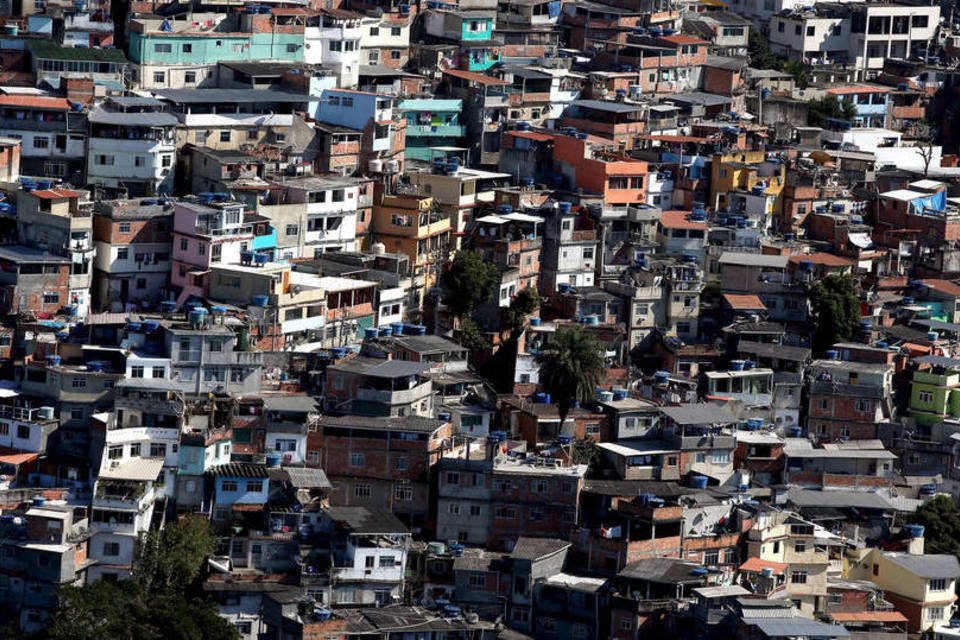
x,y
526,181
737,365
832,354
260,300
661,377
535,322
796,432
620,394
913,530
371,333
150,326
273,459
168,306
565,207
505,209
698,482
338,352
53,360
385,331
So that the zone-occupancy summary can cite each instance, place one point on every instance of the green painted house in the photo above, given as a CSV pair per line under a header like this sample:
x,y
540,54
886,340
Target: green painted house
x,y
935,392
431,123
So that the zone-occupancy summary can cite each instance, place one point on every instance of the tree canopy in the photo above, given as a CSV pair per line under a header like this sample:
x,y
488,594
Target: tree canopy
x,y
173,556
940,518
468,282
829,107
836,310
570,367
162,601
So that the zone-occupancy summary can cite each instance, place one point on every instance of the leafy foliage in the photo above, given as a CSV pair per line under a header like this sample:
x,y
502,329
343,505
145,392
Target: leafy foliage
x,y
471,337
585,451
570,367
829,107
128,611
761,57
523,304
159,603
173,557
836,309
941,520
468,282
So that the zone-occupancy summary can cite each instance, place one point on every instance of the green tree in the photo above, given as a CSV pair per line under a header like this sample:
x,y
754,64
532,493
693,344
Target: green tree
x,y
523,304
173,557
760,55
468,282
471,337
570,367
836,309
585,451
818,111
799,71
128,611
940,518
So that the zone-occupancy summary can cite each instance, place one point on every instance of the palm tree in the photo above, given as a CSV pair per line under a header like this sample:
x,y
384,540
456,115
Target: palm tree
x,y
571,367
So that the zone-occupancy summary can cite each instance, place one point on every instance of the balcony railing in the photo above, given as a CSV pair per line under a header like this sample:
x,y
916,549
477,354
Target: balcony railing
x,y
441,130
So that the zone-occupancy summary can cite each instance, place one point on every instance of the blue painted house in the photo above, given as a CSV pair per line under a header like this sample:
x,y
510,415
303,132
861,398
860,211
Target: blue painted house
x,y
236,485
871,102
431,123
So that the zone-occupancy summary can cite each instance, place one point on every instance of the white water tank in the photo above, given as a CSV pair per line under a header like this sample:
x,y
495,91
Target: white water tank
x,y
376,165
391,166
378,248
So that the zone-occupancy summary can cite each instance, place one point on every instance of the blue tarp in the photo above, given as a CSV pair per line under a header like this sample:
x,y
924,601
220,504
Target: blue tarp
x,y
929,204
553,9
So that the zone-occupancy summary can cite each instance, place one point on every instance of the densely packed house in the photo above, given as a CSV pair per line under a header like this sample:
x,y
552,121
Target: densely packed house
x,y
227,236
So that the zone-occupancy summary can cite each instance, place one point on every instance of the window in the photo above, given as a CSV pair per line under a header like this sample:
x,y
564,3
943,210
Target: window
x,y
165,160
475,510
158,450
292,229
505,513
864,406
224,136
244,627
136,371
159,77
453,477
780,26
387,562
187,48
356,459
395,54
361,490
228,485
51,297
115,453
395,31
626,624
159,372
453,509
111,548
935,613
403,492
216,346
937,584
163,48
139,161
618,183
184,244
798,577
926,396
799,546
811,30
720,457
255,486
400,464
79,383
920,22
292,48
346,103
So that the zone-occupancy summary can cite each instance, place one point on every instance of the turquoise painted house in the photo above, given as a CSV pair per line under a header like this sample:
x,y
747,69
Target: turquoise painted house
x,y
431,123
474,31
209,38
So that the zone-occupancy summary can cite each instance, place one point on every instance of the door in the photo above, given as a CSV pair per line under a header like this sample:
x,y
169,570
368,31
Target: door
x,y
124,289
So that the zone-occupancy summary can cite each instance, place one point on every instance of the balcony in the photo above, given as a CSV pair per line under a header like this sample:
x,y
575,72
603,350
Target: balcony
x,y
828,387
394,397
442,130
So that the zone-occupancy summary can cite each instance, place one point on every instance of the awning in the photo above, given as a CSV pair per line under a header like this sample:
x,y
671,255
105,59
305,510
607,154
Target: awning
x,y
862,240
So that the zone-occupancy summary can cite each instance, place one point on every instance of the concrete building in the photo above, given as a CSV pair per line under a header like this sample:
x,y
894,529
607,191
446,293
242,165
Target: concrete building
x,y
133,243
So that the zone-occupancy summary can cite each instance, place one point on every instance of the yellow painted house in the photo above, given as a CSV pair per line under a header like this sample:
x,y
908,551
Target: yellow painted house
x,y
921,587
